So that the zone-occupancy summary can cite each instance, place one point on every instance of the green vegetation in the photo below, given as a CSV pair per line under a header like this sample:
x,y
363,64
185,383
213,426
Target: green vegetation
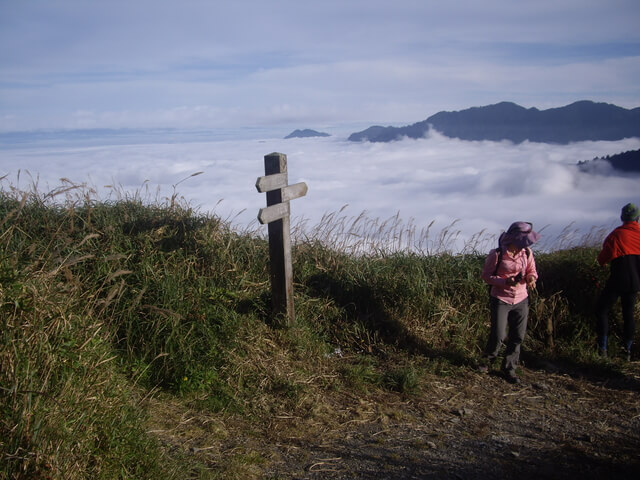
x,y
106,305
628,161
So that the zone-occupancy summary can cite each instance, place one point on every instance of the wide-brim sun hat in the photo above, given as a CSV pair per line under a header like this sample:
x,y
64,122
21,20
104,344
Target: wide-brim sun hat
x,y
520,234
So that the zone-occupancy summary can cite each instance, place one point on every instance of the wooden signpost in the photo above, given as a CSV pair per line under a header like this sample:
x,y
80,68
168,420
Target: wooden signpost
x,y
276,214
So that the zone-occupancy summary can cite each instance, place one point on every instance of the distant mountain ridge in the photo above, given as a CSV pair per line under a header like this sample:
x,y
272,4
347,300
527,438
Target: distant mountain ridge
x,y
579,121
307,132
624,162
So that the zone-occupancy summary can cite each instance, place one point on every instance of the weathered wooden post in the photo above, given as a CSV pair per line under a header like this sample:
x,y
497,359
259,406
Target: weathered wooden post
x,y
277,216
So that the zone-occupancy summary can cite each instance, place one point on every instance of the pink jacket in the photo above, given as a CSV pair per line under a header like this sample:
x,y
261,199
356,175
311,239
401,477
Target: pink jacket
x,y
509,267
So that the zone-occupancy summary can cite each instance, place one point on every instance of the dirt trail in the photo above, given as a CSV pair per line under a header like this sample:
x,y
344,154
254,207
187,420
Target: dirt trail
x,y
472,426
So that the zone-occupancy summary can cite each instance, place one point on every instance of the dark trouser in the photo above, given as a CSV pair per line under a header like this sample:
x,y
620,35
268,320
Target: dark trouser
x,y
605,303
514,317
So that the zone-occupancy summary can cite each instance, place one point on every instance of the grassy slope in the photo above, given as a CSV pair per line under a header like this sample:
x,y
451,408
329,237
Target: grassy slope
x,y
105,305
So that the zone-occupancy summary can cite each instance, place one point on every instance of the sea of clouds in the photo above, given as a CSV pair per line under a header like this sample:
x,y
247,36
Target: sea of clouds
x,y
451,194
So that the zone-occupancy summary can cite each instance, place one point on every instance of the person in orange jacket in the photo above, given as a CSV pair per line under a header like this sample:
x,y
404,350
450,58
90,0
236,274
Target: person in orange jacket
x,y
621,249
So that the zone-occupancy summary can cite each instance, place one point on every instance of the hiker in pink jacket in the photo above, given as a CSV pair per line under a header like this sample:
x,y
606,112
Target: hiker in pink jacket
x,y
509,269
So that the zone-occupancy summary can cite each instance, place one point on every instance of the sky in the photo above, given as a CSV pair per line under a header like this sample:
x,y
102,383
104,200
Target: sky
x,y
231,79
323,65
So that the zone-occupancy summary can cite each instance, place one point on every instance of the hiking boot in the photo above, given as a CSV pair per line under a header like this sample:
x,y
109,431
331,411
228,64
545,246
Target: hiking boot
x,y
601,343
511,377
626,349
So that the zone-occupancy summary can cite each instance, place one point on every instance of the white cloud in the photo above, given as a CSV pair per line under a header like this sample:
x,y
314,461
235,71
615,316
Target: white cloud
x,y
484,186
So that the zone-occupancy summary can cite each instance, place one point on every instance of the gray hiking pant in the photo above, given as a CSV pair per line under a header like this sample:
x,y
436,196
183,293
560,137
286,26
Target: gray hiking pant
x,y
513,317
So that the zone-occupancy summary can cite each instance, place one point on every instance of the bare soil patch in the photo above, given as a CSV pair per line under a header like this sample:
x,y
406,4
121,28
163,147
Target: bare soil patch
x,y
558,423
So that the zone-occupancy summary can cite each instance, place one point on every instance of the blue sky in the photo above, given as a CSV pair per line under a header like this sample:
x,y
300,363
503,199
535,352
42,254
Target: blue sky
x,y
297,64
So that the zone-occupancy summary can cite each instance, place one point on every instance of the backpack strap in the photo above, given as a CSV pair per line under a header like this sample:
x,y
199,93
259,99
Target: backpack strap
x,y
499,259
499,252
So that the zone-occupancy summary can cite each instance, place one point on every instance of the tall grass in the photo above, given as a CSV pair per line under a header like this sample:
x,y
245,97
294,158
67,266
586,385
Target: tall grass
x,y
67,410
361,234
105,303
